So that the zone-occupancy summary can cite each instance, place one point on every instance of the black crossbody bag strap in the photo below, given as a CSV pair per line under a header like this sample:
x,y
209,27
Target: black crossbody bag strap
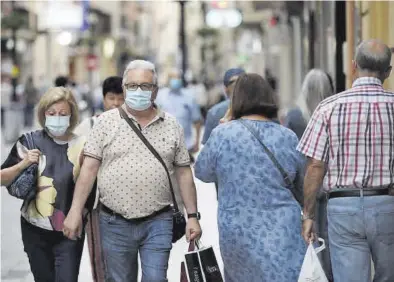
x,y
288,182
154,152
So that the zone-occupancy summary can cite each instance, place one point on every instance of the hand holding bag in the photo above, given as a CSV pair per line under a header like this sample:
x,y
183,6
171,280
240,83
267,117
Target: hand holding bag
x,y
24,186
311,269
200,265
178,220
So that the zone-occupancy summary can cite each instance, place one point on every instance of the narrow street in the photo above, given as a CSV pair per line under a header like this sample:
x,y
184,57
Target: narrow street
x,y
15,266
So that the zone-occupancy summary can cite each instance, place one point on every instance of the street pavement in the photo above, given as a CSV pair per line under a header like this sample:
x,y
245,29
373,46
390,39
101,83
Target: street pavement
x,y
15,265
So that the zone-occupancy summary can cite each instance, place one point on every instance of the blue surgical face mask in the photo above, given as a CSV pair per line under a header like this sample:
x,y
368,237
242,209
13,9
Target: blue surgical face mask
x,y
138,100
175,83
57,125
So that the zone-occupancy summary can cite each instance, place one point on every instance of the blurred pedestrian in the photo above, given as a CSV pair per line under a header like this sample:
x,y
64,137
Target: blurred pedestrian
x,y
61,81
177,100
52,256
31,97
258,216
200,94
219,110
135,200
349,138
316,87
6,93
113,98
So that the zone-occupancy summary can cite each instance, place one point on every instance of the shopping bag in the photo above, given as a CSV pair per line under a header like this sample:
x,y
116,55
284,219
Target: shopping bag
x,y
311,270
200,265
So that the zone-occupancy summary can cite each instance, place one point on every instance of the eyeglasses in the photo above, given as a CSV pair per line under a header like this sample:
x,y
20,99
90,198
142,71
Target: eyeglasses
x,y
143,86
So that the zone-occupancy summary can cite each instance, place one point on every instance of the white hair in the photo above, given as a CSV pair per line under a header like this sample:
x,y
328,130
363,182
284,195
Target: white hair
x,y
140,65
315,88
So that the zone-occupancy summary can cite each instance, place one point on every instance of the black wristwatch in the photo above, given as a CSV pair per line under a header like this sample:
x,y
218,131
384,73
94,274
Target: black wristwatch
x,y
194,215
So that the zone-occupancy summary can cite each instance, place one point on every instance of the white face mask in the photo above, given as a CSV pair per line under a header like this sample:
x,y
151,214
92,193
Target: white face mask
x,y
57,125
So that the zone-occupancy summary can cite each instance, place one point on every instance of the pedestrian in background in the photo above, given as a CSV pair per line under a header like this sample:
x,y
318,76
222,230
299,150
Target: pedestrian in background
x,y
219,110
349,141
52,256
31,97
316,87
112,99
258,216
179,102
135,213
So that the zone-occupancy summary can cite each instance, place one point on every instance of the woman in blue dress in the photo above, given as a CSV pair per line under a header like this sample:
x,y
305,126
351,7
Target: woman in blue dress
x,y
259,218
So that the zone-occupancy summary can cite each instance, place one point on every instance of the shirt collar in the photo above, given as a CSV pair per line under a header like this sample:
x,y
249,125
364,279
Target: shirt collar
x,y
367,80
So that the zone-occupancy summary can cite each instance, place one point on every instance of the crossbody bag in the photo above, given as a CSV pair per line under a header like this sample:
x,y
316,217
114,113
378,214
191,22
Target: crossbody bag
x,y
178,220
289,184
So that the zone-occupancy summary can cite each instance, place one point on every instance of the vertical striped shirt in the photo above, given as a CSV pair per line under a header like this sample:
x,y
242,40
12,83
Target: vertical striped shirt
x,y
353,133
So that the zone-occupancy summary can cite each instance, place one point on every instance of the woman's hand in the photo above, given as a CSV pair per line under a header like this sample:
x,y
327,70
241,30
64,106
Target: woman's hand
x,y
31,157
227,117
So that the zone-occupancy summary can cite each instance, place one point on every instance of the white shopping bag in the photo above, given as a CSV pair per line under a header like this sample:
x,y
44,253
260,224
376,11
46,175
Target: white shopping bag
x,y
311,270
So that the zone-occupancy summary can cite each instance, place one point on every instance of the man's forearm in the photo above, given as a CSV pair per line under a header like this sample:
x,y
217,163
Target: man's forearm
x,y
185,180
84,184
312,182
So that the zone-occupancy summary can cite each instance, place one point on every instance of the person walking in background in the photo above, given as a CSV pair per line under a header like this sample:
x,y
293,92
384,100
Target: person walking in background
x,y
58,153
316,87
31,97
350,138
219,110
200,94
179,102
112,99
135,213
258,216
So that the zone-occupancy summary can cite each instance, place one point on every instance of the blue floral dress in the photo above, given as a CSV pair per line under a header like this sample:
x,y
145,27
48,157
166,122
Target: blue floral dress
x,y
259,220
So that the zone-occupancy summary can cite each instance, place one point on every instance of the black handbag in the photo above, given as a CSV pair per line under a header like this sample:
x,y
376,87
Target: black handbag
x,y
178,220
24,186
289,184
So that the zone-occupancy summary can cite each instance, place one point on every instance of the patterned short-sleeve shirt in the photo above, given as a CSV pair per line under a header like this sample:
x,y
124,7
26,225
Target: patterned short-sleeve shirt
x,y
131,181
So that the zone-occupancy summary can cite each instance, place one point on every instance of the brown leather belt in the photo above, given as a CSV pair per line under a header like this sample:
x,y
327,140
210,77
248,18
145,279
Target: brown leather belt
x,y
139,219
357,193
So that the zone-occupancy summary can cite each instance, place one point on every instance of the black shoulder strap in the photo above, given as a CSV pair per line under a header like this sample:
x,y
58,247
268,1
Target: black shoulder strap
x,y
154,152
288,182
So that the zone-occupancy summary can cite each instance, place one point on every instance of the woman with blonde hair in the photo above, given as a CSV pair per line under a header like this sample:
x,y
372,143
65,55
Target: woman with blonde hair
x,y
57,151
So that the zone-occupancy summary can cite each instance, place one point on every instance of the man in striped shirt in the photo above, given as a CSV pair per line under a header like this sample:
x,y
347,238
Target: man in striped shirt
x,y
349,142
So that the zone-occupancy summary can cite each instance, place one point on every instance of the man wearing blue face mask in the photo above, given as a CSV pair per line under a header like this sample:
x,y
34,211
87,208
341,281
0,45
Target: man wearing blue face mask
x,y
133,151
180,102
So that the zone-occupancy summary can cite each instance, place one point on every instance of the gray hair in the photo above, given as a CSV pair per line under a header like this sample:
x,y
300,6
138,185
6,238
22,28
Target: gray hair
x,y
315,88
140,65
373,56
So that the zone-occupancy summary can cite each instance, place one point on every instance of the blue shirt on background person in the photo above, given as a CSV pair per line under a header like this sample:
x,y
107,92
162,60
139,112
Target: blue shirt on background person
x,y
181,104
219,110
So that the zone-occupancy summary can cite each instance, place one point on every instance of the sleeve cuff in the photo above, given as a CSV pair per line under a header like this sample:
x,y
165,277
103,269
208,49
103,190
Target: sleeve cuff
x,y
92,156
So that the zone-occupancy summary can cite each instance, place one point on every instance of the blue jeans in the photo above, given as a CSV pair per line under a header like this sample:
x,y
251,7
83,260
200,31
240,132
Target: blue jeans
x,y
122,240
360,228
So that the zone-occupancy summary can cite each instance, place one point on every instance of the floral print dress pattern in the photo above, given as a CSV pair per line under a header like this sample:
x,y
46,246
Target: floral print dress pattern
x,y
58,169
259,220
